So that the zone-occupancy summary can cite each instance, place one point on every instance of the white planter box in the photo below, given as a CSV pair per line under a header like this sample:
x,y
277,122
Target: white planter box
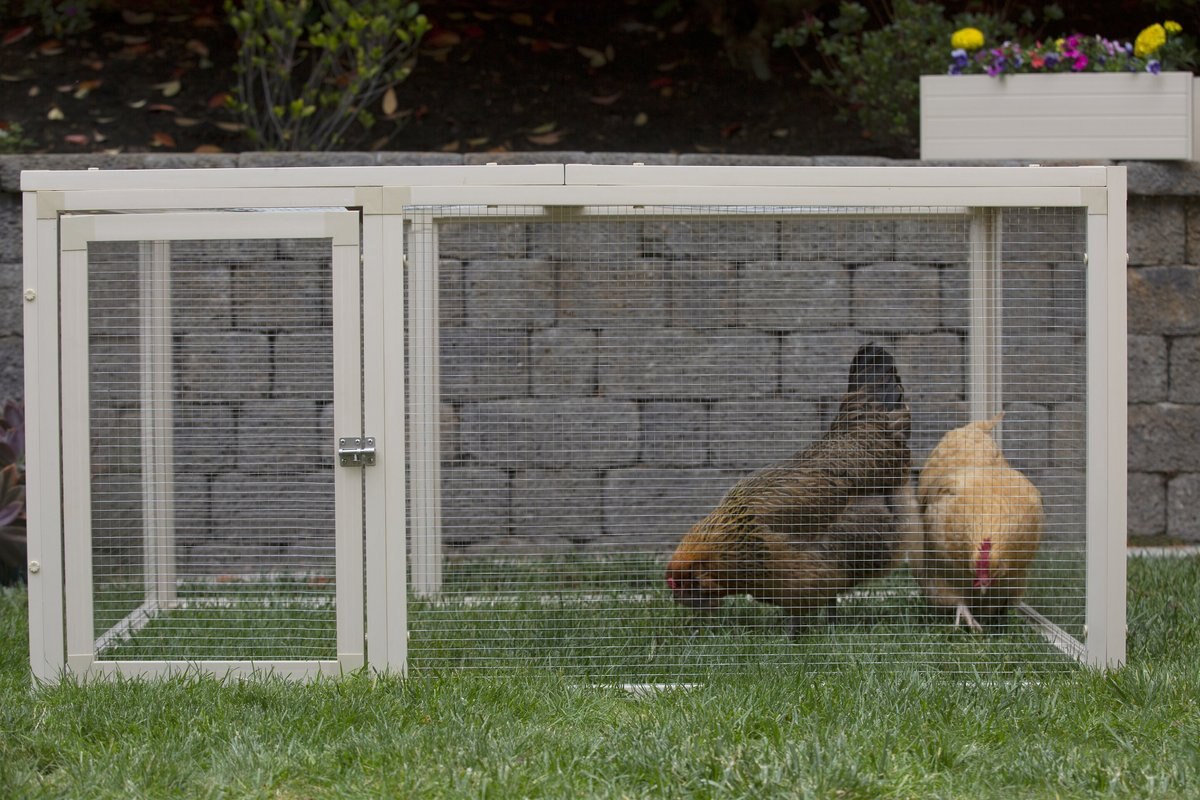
x,y
1060,116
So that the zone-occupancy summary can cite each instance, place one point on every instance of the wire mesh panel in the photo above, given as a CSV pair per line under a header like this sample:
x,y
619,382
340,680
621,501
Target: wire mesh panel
x,y
677,440
210,480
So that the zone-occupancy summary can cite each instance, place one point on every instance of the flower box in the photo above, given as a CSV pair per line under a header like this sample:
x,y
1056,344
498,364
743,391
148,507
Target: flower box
x,y
1110,115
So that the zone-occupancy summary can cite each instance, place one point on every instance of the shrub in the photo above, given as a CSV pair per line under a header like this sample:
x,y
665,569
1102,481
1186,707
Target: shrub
x,y
12,139
875,72
308,72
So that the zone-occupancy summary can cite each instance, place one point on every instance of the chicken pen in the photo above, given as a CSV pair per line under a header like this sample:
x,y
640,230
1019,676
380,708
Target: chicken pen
x,y
629,423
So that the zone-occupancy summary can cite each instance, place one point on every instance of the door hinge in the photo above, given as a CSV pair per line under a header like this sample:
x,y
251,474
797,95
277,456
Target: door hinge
x,y
356,452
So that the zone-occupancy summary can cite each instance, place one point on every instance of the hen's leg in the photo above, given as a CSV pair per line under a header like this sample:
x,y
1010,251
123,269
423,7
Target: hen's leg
x,y
963,614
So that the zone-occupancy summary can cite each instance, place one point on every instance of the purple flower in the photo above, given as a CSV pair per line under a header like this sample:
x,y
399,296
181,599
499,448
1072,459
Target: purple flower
x,y
1081,63
1153,66
1051,60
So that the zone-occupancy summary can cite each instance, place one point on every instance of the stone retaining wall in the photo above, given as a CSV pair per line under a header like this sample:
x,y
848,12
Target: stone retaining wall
x,y
552,366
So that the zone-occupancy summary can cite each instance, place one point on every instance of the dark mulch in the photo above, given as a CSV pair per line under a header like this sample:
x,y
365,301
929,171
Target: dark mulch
x,y
506,75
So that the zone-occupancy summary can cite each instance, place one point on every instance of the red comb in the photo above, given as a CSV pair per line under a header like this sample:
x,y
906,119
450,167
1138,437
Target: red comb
x,y
983,564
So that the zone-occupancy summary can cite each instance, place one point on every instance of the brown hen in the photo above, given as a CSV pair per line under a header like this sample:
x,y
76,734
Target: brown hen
x,y
783,535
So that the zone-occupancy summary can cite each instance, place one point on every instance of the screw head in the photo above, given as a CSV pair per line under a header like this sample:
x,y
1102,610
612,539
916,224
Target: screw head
x,y
30,295
35,567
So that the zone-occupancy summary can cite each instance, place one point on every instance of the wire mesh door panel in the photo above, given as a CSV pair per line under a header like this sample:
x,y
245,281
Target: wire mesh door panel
x,y
673,441
208,523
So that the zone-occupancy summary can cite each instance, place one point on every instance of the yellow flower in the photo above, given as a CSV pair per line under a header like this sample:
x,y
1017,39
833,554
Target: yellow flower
x,y
1172,27
967,39
1149,40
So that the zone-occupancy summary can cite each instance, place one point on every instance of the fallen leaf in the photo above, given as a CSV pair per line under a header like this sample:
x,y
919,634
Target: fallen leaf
x,y
610,53
478,141
522,19
165,107
218,100
606,100
554,137
132,39
136,18
729,130
208,148
66,87
661,81
450,147
51,47
55,113
198,47
442,37
596,59
34,91
379,144
104,120
641,119
16,34
540,129
161,139
205,21
99,137
474,31
77,138
390,104
136,103
780,133
667,67
186,122
85,87
4,76
483,16
231,127
170,88
94,64
134,50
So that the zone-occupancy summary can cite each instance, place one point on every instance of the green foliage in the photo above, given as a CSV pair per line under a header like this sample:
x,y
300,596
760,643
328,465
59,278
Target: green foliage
x,y
61,17
12,492
308,71
12,139
873,66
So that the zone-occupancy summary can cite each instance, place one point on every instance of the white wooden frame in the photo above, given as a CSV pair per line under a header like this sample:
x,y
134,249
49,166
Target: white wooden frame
x,y
154,232
388,197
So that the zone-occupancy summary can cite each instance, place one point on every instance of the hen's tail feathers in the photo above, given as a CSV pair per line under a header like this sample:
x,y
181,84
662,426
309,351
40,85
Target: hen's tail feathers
x,y
873,371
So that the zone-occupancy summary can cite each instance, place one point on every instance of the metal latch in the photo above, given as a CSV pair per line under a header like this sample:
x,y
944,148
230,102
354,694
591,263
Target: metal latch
x,y
356,452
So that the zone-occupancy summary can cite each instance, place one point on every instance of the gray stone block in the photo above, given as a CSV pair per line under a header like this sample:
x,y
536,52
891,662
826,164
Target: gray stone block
x,y
452,301
1070,297
934,239
205,437
510,294
1163,177
816,364
1064,503
200,295
589,243
626,294
1147,369
1184,371
12,304
674,434
274,512
1044,369
649,508
1027,298
563,362
932,366
1037,235
482,239
751,434
1164,300
742,160
955,281
1183,507
1192,243
524,157
409,159
1156,231
901,297
281,436
117,525
717,238
114,289
11,241
672,363
328,158
282,295
582,433
704,294
476,505
193,512
304,366
646,159
114,371
1146,513
116,437
548,505
450,435
483,363
792,295
190,160
1164,437
1026,438
931,419
853,239
1068,435
227,366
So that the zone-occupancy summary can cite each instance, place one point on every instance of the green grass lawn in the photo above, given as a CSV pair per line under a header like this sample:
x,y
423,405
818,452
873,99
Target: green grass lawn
x,y
771,729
